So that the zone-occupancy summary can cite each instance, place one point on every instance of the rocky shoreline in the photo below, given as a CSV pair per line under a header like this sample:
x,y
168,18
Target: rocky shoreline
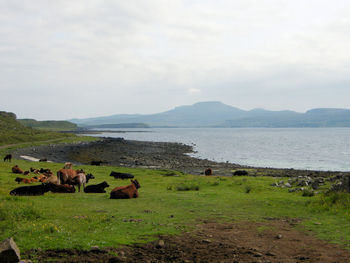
x,y
154,155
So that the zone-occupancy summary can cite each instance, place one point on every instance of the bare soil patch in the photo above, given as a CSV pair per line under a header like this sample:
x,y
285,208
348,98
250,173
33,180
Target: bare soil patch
x,y
270,241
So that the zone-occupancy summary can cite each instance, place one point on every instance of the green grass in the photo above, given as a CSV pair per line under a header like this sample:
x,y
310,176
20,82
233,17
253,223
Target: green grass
x,y
82,220
13,132
49,125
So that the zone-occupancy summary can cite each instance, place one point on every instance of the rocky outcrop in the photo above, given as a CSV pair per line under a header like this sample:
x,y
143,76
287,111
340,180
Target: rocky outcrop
x,y
9,252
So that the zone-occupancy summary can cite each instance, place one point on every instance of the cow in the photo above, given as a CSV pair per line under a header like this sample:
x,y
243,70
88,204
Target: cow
x,y
97,163
31,190
126,192
67,165
61,188
65,175
33,170
17,170
208,171
118,175
25,180
96,188
8,158
47,171
73,177
81,180
240,172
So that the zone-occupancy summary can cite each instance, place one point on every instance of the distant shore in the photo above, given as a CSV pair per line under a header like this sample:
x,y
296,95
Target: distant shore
x,y
154,155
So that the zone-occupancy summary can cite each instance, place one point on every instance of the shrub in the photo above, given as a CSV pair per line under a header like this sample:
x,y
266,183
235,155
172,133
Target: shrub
x,y
308,193
187,187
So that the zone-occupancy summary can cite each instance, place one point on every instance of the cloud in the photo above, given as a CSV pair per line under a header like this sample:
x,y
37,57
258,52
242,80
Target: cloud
x,y
193,91
140,56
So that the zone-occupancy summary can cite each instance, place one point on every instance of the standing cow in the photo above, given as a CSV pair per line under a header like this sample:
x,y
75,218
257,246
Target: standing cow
x,y
73,177
8,158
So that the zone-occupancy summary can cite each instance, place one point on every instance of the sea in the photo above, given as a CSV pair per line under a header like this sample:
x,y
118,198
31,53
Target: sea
x,y
324,149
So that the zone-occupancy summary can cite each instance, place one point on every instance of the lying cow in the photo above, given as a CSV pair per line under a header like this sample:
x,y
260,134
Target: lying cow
x,y
26,180
51,179
118,175
127,191
96,188
31,190
62,188
17,170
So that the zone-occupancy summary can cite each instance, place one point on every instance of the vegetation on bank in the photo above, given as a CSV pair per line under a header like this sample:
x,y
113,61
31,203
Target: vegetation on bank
x,y
166,205
12,131
49,125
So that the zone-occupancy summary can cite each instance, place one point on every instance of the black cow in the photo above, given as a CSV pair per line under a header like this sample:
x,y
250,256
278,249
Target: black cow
x,y
118,175
97,163
62,188
240,172
96,188
31,190
8,158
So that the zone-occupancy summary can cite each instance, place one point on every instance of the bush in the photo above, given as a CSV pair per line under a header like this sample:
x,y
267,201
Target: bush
x,y
308,193
187,187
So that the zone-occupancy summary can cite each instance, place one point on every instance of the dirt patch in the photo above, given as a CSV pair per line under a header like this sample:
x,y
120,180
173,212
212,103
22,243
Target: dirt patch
x,y
271,241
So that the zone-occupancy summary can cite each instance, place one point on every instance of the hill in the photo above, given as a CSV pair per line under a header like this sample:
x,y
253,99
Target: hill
x,y
217,114
49,125
12,131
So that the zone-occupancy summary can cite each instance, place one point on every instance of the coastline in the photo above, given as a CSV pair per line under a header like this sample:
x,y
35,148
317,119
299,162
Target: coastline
x,y
152,155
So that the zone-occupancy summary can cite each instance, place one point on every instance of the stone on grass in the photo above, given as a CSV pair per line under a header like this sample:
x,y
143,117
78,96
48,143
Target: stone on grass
x,y
9,252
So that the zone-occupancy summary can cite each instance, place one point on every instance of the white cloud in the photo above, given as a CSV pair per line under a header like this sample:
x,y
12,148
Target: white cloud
x,y
193,91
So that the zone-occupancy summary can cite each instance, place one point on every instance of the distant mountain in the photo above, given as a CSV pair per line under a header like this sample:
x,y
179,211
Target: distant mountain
x,y
217,114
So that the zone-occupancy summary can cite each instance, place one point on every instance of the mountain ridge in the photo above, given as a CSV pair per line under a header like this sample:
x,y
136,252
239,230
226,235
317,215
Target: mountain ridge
x,y
218,114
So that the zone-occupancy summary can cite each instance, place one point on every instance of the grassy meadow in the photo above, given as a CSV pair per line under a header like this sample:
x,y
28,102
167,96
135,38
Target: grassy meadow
x,y
167,205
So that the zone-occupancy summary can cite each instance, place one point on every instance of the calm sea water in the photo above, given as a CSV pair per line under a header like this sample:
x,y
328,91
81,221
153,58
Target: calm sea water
x,y
300,148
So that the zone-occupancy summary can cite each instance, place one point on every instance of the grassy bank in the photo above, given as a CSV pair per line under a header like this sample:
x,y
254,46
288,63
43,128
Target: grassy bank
x,y
167,205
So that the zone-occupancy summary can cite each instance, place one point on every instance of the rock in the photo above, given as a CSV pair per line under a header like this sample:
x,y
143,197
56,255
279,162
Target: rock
x,y
279,236
288,185
207,241
9,252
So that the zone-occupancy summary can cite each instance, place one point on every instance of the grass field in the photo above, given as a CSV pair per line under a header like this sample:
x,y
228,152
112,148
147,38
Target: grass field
x,y
167,205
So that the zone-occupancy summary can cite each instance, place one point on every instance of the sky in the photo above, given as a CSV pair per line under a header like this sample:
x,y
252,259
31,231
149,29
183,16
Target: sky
x,y
68,59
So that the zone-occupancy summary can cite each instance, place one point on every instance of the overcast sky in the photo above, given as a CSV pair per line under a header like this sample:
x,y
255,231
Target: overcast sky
x,y
88,58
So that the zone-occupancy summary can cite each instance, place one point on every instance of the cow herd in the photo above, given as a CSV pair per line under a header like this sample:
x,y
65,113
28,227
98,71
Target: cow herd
x,y
65,181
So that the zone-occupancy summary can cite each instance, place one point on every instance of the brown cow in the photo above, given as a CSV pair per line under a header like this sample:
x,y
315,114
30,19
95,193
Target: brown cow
x,y
73,177
26,180
51,179
17,170
66,175
127,191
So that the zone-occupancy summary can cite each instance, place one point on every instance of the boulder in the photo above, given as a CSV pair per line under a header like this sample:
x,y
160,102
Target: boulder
x,y
9,252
